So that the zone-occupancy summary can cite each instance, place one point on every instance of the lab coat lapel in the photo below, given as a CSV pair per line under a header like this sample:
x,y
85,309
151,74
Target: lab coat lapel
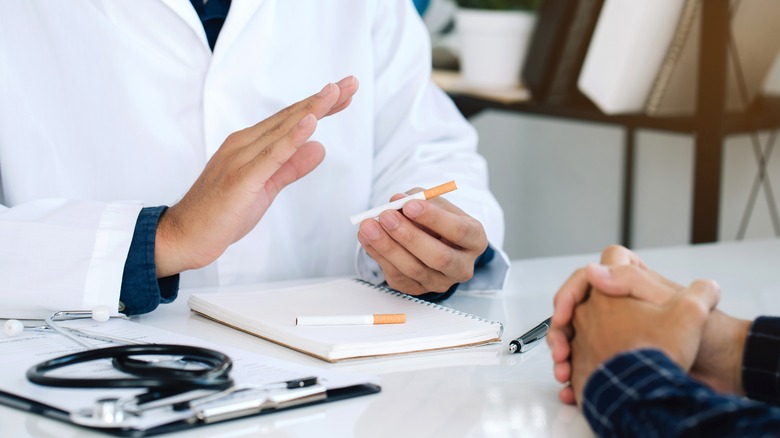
x,y
185,11
240,14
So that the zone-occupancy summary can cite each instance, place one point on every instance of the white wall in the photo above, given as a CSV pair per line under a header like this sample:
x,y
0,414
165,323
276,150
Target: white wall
x,y
560,184
551,181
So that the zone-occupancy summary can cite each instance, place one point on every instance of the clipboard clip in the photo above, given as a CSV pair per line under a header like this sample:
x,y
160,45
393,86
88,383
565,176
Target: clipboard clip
x,y
246,403
115,413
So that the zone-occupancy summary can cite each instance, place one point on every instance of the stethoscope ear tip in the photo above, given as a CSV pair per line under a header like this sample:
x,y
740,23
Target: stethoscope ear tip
x,y
101,313
13,327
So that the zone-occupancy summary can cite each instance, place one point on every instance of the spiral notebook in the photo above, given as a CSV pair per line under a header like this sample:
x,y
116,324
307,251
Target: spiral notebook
x,y
271,314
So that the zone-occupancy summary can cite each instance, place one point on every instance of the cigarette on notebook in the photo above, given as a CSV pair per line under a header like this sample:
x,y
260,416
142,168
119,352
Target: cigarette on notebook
x,y
377,318
399,203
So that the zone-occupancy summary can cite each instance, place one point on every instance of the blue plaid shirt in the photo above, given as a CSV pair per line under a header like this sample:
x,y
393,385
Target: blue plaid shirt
x,y
643,393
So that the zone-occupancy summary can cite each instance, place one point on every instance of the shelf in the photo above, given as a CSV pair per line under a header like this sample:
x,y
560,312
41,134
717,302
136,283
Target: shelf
x,y
709,127
764,114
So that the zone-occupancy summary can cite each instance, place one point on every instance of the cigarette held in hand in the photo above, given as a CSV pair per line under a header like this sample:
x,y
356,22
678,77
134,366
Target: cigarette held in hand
x,y
398,204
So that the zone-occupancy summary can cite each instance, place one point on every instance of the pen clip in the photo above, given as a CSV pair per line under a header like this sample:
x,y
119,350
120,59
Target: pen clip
x,y
527,345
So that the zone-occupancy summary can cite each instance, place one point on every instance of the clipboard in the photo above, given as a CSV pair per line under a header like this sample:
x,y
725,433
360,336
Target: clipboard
x,y
38,408
72,405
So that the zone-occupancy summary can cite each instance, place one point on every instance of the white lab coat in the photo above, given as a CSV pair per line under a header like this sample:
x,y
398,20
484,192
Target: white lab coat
x,y
107,106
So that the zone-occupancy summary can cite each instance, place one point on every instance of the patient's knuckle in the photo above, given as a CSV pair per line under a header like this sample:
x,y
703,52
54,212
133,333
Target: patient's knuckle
x,y
693,307
613,249
706,284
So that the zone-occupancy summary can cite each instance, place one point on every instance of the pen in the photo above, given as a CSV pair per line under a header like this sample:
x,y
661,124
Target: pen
x,y
377,318
399,203
529,340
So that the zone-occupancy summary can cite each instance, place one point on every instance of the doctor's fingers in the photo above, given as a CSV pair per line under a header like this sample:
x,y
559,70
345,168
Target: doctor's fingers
x,y
338,107
348,87
439,234
631,280
398,280
261,164
320,105
445,220
302,161
402,270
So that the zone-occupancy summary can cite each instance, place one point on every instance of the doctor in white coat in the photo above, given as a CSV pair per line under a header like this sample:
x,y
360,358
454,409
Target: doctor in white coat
x,y
112,108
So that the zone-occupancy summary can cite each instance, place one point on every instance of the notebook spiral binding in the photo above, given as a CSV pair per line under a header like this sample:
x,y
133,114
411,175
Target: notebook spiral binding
x,y
430,304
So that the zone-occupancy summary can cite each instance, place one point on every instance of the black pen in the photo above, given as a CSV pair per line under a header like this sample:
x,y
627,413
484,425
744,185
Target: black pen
x,y
530,338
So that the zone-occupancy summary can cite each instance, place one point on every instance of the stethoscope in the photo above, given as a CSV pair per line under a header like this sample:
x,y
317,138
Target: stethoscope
x,y
194,368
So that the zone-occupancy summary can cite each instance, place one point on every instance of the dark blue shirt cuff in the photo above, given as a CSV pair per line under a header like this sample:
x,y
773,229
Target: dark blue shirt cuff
x,y
141,290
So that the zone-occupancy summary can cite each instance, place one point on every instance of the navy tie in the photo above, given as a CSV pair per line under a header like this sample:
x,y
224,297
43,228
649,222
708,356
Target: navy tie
x,y
212,14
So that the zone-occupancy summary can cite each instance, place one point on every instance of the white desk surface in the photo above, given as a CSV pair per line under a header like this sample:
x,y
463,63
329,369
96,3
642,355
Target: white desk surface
x,y
467,393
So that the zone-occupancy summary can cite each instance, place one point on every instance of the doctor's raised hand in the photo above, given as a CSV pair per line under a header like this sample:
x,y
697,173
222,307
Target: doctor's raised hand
x,y
427,246
241,180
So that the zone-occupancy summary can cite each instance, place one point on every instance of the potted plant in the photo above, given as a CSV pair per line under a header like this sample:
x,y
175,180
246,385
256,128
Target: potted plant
x,y
494,37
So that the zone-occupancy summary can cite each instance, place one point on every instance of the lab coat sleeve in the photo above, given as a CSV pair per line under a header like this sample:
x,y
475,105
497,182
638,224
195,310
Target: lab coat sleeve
x,y
421,139
58,254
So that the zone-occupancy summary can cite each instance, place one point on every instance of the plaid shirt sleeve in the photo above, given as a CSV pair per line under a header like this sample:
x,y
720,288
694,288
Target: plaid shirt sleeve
x,y
644,393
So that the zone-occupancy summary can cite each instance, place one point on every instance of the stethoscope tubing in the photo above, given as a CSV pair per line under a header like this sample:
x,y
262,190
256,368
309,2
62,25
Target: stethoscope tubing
x,y
86,334
148,375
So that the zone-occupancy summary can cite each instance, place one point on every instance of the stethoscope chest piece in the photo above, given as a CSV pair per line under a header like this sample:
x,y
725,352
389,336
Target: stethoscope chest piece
x,y
106,413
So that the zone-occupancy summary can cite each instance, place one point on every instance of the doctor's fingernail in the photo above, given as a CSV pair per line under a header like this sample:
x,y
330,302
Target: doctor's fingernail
x,y
370,230
307,120
326,90
346,81
413,209
389,220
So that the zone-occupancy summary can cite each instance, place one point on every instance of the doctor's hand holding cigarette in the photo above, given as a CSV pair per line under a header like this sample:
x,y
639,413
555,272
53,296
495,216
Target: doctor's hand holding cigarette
x,y
427,245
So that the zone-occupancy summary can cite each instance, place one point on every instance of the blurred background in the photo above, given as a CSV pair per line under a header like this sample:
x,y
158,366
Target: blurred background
x,y
560,181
